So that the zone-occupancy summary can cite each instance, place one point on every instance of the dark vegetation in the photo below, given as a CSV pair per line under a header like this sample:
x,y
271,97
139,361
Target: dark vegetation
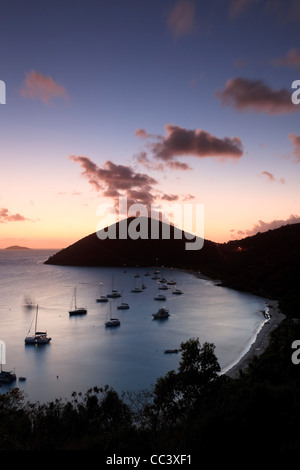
x,y
193,410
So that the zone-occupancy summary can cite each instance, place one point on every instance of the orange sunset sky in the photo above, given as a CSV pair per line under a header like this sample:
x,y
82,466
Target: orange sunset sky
x,y
184,102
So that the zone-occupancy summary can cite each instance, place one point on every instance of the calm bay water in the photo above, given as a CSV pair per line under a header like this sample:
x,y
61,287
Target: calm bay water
x,y
84,353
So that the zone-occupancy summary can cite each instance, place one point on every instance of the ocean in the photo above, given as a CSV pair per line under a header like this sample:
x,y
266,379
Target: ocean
x,y
84,353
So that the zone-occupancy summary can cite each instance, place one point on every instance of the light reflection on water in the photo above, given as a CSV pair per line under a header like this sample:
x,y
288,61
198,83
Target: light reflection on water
x,y
83,353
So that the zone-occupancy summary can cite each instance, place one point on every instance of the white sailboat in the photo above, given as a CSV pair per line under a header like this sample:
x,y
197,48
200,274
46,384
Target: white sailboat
x,y
114,293
123,305
102,298
39,337
136,289
77,310
112,321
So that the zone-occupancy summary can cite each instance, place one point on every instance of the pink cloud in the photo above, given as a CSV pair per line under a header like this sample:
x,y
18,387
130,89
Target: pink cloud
x,y
271,177
41,87
181,20
292,59
242,94
296,142
5,216
113,181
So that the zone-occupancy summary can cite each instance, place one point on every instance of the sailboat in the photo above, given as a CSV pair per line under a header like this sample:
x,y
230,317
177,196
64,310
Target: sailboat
x,y
112,321
77,310
40,337
123,305
114,293
102,298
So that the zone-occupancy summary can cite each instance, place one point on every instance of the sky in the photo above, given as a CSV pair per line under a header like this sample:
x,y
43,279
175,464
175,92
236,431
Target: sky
x,y
164,102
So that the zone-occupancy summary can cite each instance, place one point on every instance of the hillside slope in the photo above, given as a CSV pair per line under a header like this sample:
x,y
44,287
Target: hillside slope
x,y
266,264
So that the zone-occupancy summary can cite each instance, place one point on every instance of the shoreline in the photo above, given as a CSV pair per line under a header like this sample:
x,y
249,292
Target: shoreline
x,y
260,342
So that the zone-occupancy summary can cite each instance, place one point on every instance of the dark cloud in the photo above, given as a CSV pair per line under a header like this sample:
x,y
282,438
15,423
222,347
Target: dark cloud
x,y
170,197
5,216
196,142
242,94
113,181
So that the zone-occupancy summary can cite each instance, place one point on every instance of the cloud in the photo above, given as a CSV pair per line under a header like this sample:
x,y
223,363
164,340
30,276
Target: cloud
x,y
170,197
242,94
181,20
291,59
262,226
271,177
5,216
197,142
41,87
296,142
143,159
113,181
238,7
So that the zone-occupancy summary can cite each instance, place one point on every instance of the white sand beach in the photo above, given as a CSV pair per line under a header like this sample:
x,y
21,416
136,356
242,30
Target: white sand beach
x,y
261,341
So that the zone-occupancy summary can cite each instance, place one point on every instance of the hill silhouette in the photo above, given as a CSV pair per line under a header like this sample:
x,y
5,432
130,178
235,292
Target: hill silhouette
x,y
266,264
171,251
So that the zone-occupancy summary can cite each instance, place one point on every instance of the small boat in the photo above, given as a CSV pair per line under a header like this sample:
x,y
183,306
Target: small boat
x,y
77,310
39,337
171,282
161,313
160,297
164,287
123,306
136,290
112,321
22,379
177,292
102,298
114,294
171,351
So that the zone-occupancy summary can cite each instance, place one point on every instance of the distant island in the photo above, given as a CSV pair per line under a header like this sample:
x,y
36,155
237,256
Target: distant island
x,y
17,247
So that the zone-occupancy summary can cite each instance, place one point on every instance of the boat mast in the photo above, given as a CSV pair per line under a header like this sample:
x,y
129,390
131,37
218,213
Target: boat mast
x,y
36,315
